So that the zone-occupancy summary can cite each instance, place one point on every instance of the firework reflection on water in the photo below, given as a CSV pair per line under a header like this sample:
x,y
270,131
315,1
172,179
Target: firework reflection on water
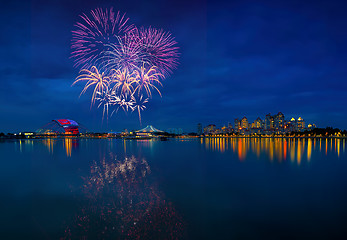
x,y
120,202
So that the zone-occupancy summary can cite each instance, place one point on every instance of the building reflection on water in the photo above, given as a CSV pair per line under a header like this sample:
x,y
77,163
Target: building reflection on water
x,y
68,144
295,150
49,143
25,144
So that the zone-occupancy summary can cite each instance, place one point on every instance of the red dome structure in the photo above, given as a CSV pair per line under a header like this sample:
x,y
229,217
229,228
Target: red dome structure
x,y
62,126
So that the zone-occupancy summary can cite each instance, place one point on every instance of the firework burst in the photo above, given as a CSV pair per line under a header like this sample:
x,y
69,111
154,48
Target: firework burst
x,y
106,99
139,105
123,81
146,79
93,78
125,53
126,102
123,63
93,32
160,49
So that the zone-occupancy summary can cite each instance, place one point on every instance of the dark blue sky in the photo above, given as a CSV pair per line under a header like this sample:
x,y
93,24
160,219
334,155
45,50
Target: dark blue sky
x,y
238,58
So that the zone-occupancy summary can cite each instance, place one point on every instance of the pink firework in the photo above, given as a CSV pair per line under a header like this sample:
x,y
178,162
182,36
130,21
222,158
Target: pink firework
x,y
127,53
93,33
160,49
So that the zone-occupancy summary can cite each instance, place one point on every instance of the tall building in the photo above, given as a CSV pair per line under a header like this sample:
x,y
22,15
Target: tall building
x,y
244,123
199,132
269,122
237,125
301,124
230,127
210,129
293,125
279,121
258,123
257,126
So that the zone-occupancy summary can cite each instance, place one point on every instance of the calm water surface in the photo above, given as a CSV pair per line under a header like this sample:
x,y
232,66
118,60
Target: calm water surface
x,y
216,188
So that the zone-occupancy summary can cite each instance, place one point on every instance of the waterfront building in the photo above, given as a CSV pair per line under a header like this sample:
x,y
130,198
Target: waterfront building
x,y
258,123
293,124
237,125
199,129
269,122
224,129
288,127
230,127
257,126
210,129
311,126
244,123
279,121
62,126
301,124
148,131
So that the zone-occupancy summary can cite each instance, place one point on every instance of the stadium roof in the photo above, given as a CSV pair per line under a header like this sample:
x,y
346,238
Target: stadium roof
x,y
149,129
62,126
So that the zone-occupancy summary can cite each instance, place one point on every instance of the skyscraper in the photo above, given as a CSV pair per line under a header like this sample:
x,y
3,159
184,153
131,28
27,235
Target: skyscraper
x,y
237,124
269,122
279,121
244,123
258,123
210,129
199,129
301,124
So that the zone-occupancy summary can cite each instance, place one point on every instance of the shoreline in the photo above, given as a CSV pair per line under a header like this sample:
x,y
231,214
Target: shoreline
x,y
169,137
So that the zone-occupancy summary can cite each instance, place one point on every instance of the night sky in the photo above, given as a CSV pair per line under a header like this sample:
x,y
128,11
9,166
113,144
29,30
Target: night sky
x,y
238,58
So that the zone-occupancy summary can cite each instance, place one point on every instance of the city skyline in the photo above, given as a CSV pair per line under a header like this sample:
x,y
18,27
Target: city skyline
x,y
238,58
276,123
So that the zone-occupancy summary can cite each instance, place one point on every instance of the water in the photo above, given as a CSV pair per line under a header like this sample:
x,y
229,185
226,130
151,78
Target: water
x,y
217,188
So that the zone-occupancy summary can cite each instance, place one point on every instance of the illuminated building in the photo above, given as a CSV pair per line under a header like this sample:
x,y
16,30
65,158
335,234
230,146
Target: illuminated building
x,y
199,129
293,124
244,123
26,134
210,129
258,123
62,126
225,129
148,131
237,124
311,126
257,126
289,127
301,124
230,127
279,121
269,122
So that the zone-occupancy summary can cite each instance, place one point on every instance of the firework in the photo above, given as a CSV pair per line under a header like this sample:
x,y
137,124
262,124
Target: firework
x,y
146,78
107,99
139,105
93,77
122,63
123,81
160,49
93,32
126,102
126,53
